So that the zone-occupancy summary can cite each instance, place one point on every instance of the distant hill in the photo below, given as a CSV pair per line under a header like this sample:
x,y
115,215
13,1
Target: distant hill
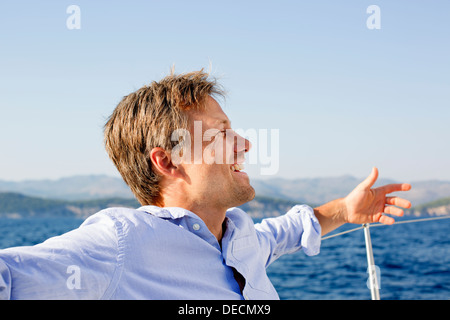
x,y
322,190
309,191
263,207
439,207
71,188
15,205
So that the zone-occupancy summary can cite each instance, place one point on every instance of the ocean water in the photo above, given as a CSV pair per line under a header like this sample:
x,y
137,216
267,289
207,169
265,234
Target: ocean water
x,y
413,260
413,263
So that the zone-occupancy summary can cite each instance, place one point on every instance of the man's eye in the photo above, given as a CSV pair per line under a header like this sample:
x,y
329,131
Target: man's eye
x,y
221,133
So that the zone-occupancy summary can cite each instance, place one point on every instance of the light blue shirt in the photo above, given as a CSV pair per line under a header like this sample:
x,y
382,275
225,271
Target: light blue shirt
x,y
157,253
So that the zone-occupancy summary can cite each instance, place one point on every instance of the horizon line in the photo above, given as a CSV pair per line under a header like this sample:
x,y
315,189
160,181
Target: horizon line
x,y
262,178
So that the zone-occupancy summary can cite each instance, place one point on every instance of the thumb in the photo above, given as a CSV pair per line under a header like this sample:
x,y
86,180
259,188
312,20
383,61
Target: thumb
x,y
370,180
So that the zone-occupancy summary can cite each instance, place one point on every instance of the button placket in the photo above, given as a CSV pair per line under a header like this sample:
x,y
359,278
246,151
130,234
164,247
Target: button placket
x,y
198,227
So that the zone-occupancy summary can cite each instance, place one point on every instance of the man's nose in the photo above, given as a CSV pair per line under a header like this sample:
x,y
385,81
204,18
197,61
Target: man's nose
x,y
241,144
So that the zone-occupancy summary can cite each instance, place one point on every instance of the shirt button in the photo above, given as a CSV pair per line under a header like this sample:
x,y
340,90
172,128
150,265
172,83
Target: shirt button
x,y
196,227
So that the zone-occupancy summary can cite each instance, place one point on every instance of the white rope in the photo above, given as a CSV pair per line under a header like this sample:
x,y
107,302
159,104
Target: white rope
x,y
341,233
412,220
382,225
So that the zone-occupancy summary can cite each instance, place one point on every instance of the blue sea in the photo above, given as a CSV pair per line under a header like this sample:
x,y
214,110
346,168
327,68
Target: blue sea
x,y
413,260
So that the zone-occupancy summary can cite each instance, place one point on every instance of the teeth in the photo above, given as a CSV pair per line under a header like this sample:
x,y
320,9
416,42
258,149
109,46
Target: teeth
x,y
237,167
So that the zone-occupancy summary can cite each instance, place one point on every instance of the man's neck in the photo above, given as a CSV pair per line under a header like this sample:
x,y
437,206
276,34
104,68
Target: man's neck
x,y
214,224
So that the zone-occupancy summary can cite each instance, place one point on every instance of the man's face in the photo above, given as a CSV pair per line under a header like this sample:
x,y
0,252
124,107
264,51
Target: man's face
x,y
213,172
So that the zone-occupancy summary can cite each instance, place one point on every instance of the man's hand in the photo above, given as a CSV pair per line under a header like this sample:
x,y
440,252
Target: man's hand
x,y
363,205
366,205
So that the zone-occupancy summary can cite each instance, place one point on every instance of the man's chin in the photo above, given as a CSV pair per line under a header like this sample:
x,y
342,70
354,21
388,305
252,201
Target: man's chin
x,y
245,196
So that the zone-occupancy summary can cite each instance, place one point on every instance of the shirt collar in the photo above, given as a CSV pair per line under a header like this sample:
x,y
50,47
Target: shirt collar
x,y
168,212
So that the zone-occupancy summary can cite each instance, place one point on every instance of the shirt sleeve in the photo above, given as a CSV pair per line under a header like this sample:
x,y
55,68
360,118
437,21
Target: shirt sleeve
x,y
297,229
80,264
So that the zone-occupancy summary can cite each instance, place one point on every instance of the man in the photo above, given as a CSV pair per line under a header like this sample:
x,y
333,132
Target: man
x,y
188,240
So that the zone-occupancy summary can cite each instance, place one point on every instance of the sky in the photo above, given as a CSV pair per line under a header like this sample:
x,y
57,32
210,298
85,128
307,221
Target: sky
x,y
336,96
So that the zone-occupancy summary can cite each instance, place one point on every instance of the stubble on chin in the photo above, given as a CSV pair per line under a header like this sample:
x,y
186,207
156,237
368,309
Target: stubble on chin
x,y
244,195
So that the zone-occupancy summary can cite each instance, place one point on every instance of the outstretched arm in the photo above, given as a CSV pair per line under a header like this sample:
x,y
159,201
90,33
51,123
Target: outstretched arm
x,y
363,205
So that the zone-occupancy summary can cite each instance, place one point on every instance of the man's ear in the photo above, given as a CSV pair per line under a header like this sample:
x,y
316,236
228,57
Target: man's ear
x,y
162,162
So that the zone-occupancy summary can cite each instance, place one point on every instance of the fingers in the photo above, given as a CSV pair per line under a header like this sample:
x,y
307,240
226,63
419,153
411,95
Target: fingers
x,y
370,180
386,220
394,201
399,202
389,188
393,210
390,210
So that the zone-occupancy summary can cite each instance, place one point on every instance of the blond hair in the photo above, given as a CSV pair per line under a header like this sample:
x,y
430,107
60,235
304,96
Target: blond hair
x,y
145,119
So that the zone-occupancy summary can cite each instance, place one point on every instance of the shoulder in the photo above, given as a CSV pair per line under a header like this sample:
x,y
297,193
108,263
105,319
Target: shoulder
x,y
120,220
240,218
237,213
119,216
